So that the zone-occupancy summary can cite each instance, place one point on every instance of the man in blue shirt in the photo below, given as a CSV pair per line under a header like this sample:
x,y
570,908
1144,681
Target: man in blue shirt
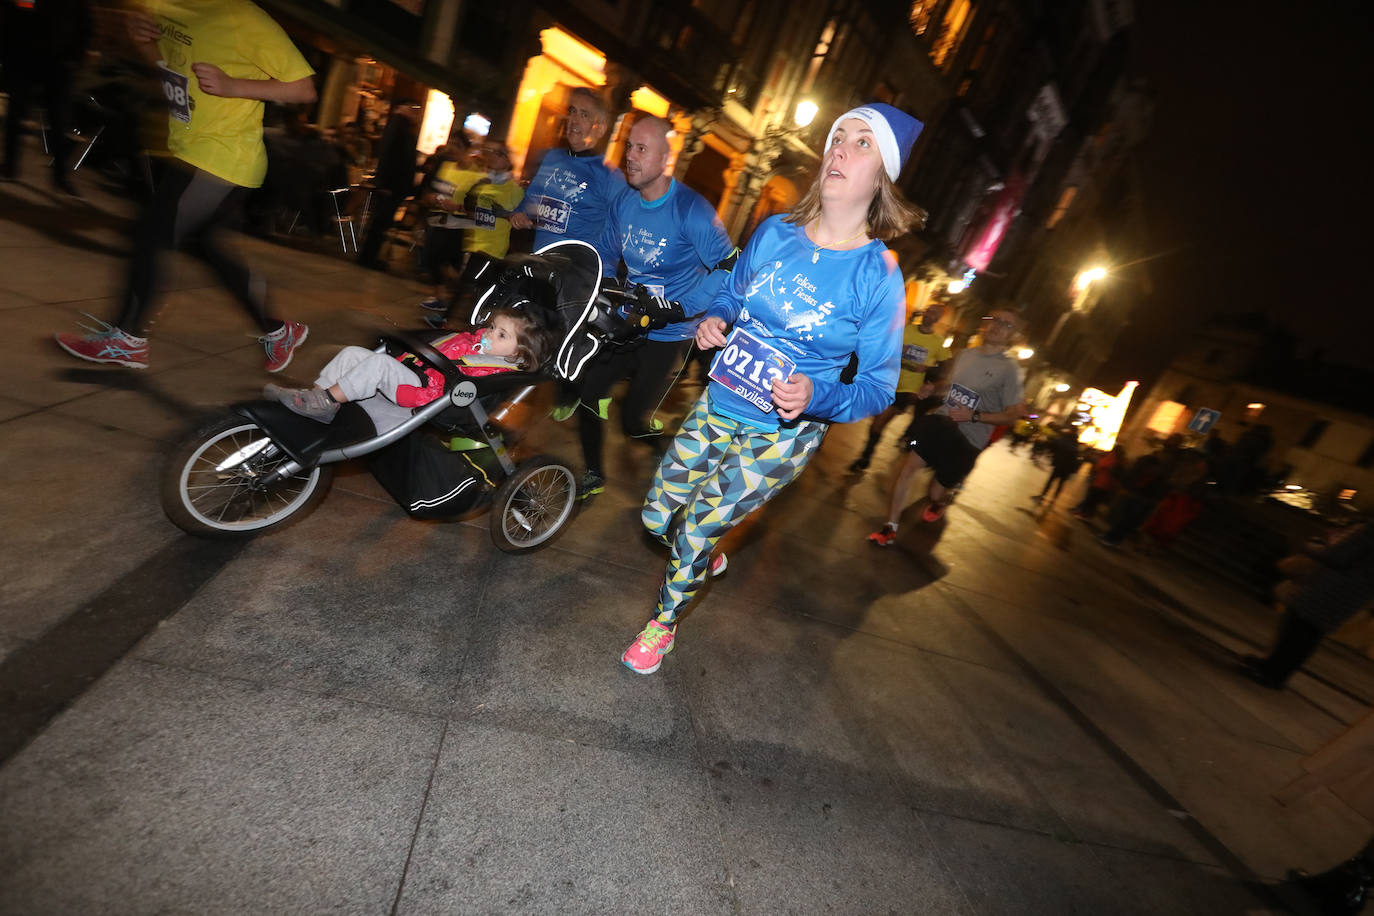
x,y
571,194
675,246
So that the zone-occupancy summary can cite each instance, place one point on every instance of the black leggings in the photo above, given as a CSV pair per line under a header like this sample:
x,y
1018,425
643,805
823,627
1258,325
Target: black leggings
x,y
1297,640
188,209
653,366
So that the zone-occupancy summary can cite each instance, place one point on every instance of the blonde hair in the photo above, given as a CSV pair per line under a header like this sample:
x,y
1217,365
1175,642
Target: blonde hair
x,y
889,213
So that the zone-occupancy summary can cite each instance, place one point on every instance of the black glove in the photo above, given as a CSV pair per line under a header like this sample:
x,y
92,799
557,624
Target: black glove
x,y
658,311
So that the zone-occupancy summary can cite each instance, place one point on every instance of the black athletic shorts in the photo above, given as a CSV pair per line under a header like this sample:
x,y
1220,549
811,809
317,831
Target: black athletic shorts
x,y
936,438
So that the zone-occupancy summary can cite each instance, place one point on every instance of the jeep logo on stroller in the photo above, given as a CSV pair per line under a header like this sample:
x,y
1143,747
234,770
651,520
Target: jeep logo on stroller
x,y
463,394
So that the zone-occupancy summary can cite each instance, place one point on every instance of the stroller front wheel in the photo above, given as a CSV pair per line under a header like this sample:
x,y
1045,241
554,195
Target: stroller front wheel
x,y
214,482
533,505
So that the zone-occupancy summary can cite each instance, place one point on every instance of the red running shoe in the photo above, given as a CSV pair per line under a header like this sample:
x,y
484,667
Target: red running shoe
x,y
282,344
106,344
883,537
933,512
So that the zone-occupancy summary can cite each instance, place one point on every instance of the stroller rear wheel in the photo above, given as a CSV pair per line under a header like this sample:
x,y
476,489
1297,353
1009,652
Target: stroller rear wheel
x,y
533,505
214,482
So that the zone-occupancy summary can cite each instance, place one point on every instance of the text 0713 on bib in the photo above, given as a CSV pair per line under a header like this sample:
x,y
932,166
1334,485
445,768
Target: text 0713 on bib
x,y
748,367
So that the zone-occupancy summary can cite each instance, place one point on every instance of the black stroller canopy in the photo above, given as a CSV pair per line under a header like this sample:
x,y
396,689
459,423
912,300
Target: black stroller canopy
x,y
563,281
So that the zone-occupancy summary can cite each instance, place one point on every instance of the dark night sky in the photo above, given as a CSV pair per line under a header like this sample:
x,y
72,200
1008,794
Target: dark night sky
x,y
1258,165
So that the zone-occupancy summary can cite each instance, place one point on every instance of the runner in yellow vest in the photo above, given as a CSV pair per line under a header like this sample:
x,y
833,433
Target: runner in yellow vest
x,y
218,61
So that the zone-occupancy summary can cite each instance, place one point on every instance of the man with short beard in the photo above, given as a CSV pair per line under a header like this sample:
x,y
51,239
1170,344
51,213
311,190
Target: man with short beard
x,y
675,247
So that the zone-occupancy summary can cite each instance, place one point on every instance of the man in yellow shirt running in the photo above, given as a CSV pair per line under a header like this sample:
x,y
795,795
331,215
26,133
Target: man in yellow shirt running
x,y
488,198
218,61
923,349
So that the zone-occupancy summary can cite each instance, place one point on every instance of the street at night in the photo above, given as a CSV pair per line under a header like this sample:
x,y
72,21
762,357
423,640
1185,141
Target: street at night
x,y
697,457
365,713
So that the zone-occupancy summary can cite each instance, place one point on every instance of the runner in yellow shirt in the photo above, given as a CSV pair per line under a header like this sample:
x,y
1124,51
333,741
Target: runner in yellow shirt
x,y
490,202
922,350
218,61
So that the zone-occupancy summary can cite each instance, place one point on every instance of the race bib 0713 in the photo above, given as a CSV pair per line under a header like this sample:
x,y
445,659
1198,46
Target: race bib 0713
x,y
748,367
959,396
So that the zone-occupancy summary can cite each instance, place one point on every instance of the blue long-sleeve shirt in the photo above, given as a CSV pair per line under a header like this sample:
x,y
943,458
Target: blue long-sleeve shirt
x,y
818,314
669,245
570,198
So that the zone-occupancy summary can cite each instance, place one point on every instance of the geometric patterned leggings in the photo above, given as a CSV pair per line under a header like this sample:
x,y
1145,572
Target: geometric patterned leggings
x,y
716,472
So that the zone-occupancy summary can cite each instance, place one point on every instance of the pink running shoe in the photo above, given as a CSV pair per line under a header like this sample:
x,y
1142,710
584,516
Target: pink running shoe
x,y
282,344
646,652
719,563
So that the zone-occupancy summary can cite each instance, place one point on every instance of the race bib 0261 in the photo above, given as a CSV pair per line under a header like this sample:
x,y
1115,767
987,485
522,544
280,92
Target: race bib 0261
x,y
748,367
959,396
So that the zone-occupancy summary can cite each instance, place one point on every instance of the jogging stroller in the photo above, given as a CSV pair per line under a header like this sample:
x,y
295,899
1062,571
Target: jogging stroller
x,y
257,467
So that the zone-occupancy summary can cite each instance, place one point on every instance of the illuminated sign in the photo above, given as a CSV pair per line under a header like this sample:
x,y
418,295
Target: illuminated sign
x,y
1102,415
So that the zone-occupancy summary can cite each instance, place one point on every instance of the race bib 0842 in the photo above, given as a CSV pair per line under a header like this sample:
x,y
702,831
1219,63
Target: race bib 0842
x,y
748,367
552,214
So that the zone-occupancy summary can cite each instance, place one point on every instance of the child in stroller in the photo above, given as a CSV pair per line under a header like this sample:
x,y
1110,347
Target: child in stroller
x,y
512,338
257,466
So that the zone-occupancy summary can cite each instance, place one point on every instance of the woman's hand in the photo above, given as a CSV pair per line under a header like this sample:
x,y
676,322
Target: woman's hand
x,y
791,396
711,333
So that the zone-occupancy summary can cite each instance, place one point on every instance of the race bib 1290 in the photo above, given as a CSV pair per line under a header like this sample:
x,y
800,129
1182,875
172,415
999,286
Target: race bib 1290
x,y
748,367
959,396
177,90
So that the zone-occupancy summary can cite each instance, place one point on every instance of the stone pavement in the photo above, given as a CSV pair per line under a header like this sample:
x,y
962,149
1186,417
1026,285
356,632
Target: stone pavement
x,y
369,714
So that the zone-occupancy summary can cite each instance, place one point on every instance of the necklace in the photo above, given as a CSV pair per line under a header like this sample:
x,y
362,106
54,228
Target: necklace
x,y
816,249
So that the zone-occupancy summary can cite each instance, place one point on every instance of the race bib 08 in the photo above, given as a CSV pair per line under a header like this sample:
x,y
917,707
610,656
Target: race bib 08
x,y
552,214
748,367
959,396
177,90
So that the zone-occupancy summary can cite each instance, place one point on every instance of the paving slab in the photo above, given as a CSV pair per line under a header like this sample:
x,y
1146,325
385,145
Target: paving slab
x,y
830,851
170,791
524,823
305,609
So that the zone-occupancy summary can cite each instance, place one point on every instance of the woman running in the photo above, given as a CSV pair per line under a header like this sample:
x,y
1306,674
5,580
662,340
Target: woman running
x,y
811,289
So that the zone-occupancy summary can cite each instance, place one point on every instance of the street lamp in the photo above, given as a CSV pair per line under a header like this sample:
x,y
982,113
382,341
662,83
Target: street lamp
x,y
1081,285
957,286
805,113
1025,353
1088,277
